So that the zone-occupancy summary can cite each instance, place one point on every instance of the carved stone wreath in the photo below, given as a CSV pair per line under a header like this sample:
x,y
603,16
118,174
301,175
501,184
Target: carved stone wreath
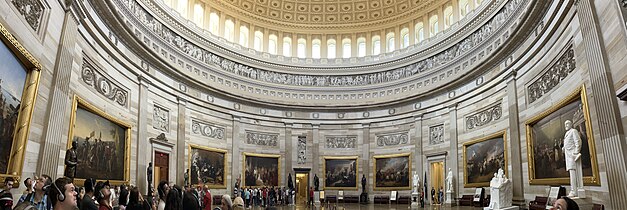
x,y
392,139
103,85
207,129
484,117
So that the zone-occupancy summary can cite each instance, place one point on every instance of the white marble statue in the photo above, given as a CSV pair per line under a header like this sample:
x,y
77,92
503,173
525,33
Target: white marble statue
x,y
449,181
572,147
500,191
416,182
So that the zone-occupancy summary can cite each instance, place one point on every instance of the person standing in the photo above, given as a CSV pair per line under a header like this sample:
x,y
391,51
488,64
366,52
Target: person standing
x,y
311,195
29,189
63,194
88,202
103,196
6,198
207,199
162,189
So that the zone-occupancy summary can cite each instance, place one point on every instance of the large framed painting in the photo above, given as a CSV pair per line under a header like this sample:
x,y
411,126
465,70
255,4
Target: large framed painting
x,y
545,136
207,166
482,158
340,173
103,144
391,172
19,80
261,170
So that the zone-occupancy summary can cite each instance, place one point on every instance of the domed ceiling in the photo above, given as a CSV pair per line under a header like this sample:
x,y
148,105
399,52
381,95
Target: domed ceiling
x,y
323,13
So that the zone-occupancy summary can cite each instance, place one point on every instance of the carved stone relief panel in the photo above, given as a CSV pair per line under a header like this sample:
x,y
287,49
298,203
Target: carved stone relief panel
x,y
32,10
102,83
484,116
262,138
302,149
340,142
553,76
391,139
436,134
207,129
161,118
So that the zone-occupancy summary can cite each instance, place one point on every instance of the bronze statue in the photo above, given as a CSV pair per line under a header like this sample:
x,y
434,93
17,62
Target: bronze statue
x,y
363,183
149,178
71,160
290,184
316,182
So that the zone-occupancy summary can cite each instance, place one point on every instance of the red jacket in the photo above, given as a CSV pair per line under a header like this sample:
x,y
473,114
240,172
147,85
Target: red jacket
x,y
311,193
206,201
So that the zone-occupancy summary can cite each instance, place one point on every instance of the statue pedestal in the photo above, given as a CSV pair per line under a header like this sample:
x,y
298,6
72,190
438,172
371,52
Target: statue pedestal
x,y
316,198
583,203
581,193
363,198
414,200
449,199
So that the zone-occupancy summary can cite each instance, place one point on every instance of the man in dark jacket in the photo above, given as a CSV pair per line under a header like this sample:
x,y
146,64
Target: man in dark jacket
x,y
88,202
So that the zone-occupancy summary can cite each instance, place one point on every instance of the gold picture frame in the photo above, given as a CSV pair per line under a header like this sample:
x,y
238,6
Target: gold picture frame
x,y
374,167
487,139
224,153
30,87
560,109
79,103
278,169
324,169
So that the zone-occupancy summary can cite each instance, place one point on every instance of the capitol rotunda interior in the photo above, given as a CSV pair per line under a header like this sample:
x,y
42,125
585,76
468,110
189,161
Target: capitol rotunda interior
x,y
379,103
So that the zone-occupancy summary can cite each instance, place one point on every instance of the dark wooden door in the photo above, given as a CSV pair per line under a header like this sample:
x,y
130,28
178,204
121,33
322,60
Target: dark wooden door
x,y
162,163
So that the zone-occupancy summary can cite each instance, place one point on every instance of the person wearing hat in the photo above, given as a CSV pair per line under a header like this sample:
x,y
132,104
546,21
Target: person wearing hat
x,y
63,194
88,202
103,195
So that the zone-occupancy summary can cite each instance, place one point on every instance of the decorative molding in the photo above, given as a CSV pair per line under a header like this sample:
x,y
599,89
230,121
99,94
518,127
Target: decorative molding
x,y
623,95
262,138
102,83
553,76
161,139
32,10
207,129
302,149
436,134
341,142
161,118
314,80
392,139
485,116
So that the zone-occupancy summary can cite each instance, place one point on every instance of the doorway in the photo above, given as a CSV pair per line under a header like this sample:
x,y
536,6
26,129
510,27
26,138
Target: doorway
x,y
437,180
162,165
302,188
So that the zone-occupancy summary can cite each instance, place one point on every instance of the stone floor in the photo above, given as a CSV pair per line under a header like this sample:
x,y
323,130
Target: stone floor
x,y
366,207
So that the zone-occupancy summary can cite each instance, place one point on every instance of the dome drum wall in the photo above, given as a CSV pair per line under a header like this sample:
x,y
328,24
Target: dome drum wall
x,y
318,83
533,62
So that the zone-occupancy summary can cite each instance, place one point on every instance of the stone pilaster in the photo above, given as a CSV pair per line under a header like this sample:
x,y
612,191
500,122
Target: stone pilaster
x,y
418,156
180,141
315,168
288,152
365,161
59,101
515,158
453,163
605,104
236,158
142,137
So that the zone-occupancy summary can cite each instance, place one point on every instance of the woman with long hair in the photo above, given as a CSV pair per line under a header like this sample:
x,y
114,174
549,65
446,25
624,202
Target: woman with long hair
x,y
136,201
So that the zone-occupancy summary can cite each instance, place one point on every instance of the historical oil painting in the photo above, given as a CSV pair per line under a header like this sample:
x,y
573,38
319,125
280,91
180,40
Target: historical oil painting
x,y
207,166
545,138
392,172
340,172
261,170
103,143
482,158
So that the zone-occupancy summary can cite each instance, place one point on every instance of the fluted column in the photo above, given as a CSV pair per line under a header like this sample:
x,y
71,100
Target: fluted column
x,y
142,136
453,163
515,159
605,103
180,141
236,160
59,100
